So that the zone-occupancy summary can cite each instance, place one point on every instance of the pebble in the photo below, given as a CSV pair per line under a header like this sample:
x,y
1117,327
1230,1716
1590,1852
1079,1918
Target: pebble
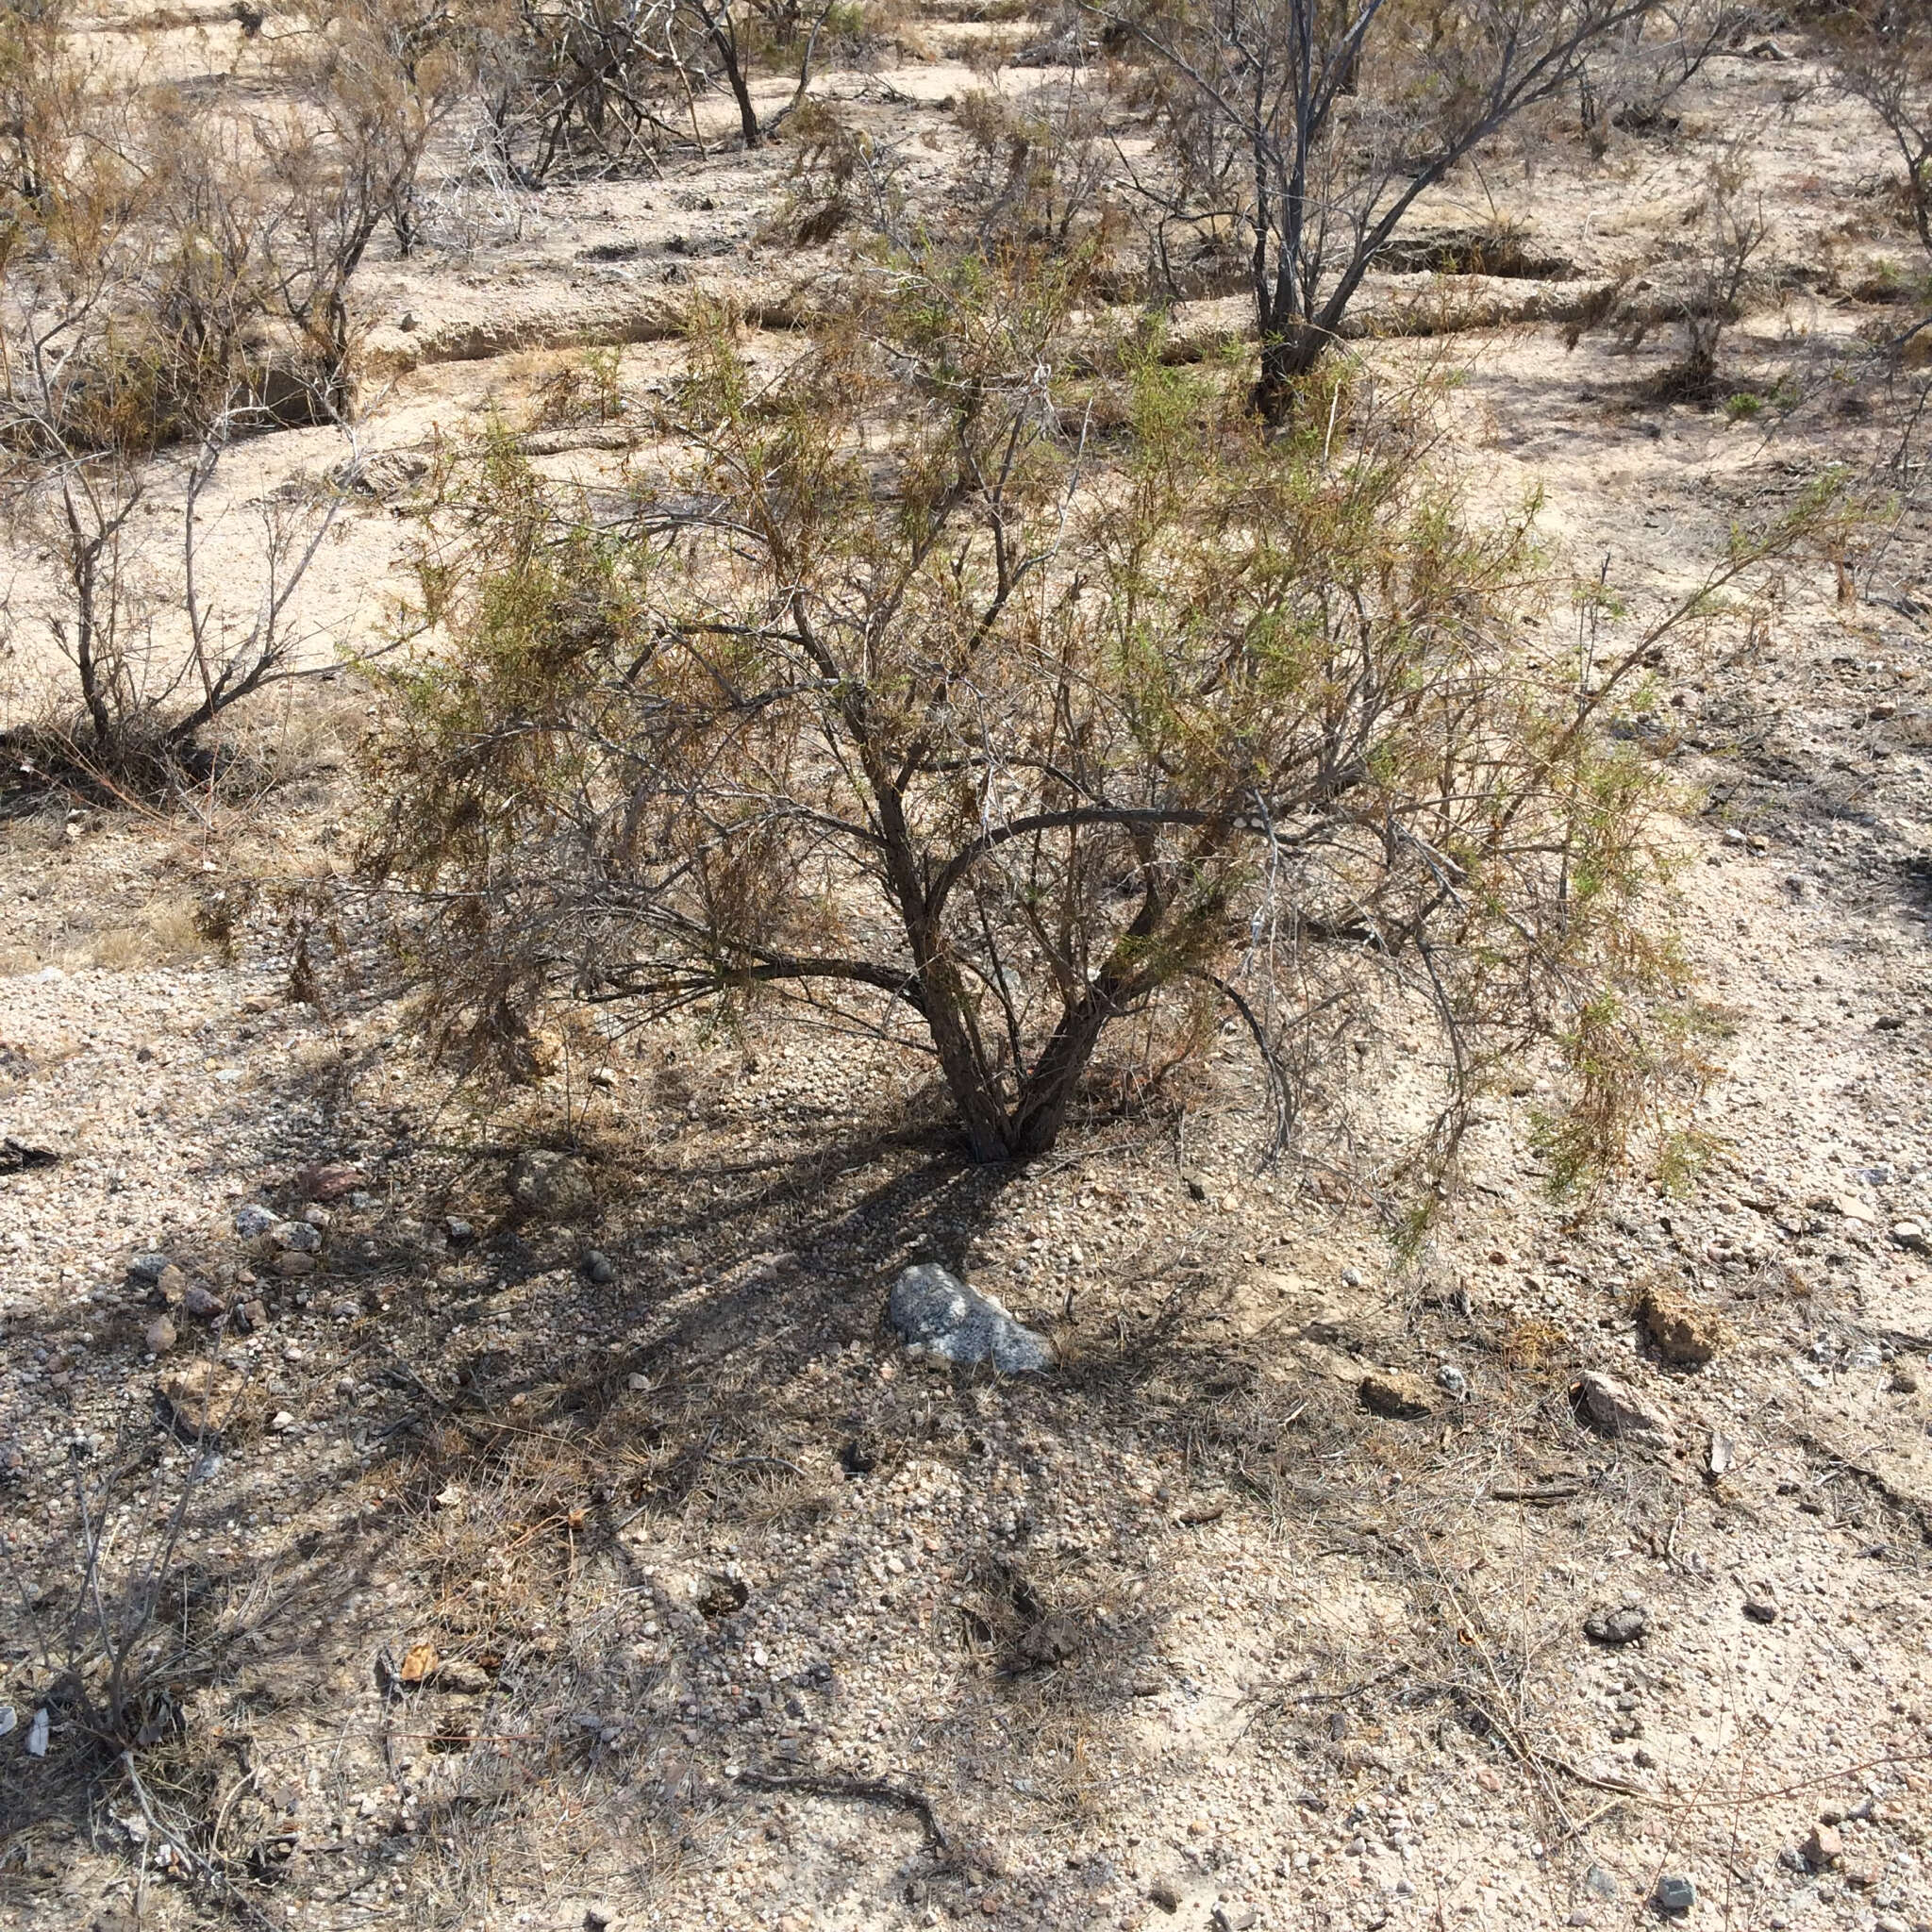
x,y
292,1264
148,1266
199,1303
599,1267
329,1182
1760,1609
1454,1381
1618,1627
254,1220
1683,1333
457,1230
160,1337
1825,1847
1615,1407
1600,1880
1675,1894
300,1237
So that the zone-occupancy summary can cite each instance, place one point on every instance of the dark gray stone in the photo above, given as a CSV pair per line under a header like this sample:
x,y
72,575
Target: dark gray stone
x,y
934,1310
1675,1894
1618,1627
254,1220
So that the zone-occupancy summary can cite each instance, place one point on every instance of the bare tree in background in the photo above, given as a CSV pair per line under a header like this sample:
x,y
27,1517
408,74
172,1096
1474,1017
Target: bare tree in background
x,y
1882,52
1314,124
611,80
1629,79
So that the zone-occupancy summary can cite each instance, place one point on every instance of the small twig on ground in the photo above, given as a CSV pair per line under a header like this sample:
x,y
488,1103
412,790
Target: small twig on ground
x,y
871,1790
1352,1691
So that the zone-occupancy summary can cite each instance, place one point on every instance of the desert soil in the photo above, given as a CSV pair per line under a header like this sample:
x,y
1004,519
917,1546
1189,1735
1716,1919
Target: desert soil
x,y
598,1557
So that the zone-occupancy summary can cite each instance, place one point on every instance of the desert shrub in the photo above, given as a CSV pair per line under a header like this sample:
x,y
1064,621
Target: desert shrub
x,y
171,278
1881,53
1035,169
839,172
597,81
909,700
1310,128
1700,281
1630,79
156,653
583,390
586,77
1033,180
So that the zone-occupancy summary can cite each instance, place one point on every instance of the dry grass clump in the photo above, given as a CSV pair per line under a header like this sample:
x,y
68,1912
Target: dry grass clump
x,y
168,933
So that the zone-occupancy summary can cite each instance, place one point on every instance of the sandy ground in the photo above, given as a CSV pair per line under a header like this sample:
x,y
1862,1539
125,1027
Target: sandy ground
x,y
620,1568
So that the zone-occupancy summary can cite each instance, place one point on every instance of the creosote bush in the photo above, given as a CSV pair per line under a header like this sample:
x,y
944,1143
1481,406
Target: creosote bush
x,y
913,699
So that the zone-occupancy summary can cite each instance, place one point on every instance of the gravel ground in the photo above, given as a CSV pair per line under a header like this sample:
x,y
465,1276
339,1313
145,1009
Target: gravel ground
x,y
571,1543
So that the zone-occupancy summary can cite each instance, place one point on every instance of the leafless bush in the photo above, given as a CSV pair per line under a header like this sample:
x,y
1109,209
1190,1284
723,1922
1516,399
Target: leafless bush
x,y
842,175
44,98
156,657
382,78
175,279
1731,216
1632,75
1032,179
593,77
604,81
910,701
114,1636
1311,128
1036,170
1708,275
1881,51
